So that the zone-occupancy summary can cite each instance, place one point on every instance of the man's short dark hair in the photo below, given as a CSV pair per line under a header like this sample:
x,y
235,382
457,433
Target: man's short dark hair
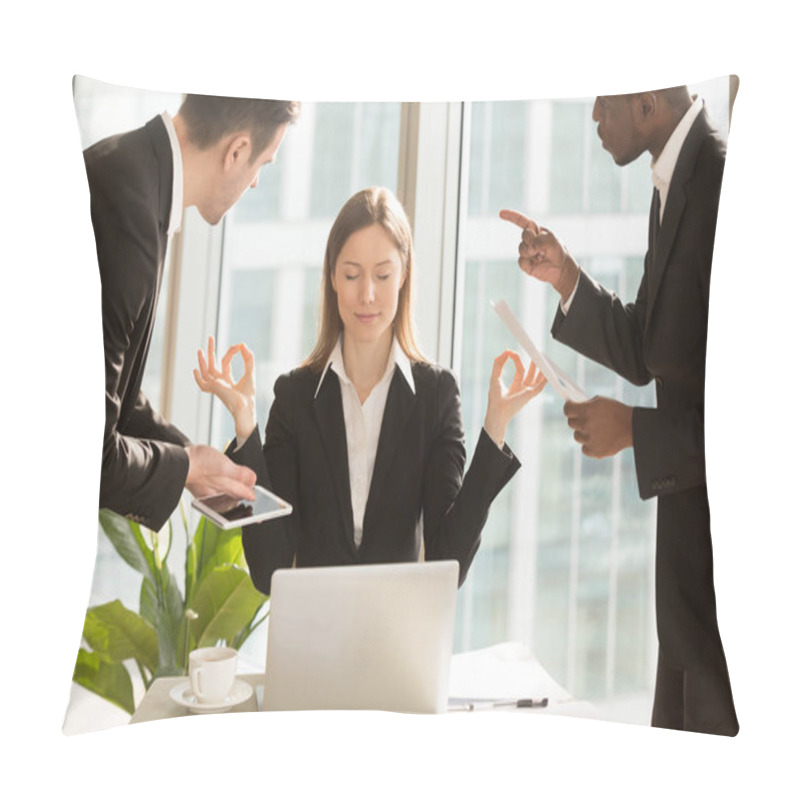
x,y
209,118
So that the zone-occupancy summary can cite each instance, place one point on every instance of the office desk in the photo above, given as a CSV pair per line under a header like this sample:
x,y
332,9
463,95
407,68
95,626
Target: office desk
x,y
507,670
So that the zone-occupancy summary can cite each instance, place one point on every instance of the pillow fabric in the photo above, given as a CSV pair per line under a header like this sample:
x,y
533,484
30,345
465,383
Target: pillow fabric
x,y
561,578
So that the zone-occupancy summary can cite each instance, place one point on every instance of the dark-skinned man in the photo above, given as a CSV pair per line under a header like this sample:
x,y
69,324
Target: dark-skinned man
x,y
660,336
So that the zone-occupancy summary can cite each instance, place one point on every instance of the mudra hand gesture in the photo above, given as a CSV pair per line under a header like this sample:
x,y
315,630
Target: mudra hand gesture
x,y
239,397
506,401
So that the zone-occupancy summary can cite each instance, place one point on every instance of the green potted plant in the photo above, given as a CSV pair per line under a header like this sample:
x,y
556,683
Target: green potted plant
x,y
219,604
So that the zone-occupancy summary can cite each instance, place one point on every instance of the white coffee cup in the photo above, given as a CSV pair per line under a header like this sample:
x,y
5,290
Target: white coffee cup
x,y
212,671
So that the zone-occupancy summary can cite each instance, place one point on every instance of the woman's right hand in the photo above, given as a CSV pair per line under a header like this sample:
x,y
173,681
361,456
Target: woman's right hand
x,y
239,397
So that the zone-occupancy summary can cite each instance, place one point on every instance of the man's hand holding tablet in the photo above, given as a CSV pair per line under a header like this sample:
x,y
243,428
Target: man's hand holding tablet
x,y
230,512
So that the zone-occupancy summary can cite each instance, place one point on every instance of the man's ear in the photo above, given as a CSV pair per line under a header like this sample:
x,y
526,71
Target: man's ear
x,y
237,152
647,105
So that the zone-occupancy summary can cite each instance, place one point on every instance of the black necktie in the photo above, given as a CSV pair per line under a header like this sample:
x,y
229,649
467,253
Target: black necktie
x,y
655,217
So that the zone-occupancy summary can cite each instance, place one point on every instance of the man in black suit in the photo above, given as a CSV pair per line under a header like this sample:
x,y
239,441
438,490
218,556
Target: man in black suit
x,y
661,335
140,182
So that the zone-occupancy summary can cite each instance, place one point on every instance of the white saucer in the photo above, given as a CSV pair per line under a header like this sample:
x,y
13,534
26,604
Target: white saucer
x,y
182,694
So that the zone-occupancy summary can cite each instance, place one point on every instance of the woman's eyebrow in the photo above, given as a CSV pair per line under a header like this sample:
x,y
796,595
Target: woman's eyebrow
x,y
348,263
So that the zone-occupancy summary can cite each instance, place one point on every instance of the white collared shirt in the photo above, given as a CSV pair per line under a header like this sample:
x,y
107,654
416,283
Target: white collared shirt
x,y
663,167
362,424
176,209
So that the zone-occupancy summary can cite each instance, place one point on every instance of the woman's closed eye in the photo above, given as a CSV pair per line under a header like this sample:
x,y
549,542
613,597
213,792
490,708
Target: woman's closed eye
x,y
355,276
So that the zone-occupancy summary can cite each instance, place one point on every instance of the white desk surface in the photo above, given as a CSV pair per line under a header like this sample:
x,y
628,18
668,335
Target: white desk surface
x,y
504,671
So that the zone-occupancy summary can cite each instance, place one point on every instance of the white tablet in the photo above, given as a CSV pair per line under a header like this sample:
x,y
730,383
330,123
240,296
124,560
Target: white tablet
x,y
229,512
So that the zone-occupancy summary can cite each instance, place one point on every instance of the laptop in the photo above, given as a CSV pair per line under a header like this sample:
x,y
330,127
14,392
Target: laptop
x,y
375,637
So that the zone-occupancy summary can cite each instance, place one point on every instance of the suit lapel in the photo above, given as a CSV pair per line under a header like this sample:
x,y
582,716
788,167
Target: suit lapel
x,y
400,402
163,151
330,421
676,204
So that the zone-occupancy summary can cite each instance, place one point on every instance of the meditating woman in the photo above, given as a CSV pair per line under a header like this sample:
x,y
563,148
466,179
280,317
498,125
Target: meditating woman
x,y
365,438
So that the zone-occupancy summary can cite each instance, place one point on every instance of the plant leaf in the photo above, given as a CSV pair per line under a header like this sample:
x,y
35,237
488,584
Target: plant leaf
x,y
115,633
246,632
148,602
170,628
166,617
161,542
109,680
226,602
184,519
211,547
126,537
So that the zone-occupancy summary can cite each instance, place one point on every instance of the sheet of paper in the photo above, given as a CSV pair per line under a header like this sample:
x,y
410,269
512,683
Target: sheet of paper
x,y
555,376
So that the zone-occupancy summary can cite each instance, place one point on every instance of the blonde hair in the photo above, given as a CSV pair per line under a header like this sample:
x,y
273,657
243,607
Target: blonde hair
x,y
367,207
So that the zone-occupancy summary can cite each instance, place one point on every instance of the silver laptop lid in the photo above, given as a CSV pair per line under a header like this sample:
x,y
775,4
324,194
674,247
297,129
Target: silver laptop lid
x,y
361,637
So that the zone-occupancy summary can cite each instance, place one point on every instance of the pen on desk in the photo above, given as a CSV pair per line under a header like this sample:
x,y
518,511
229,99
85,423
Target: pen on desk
x,y
476,705
525,702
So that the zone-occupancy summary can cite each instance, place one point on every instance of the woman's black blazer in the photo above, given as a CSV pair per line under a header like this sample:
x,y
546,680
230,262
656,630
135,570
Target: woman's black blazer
x,y
419,469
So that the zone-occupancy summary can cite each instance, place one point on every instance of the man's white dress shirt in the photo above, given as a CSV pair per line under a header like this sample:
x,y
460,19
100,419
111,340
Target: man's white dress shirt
x,y
176,209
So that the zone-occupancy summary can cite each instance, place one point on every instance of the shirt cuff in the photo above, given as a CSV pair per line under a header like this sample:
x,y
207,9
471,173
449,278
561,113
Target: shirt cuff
x,y
565,304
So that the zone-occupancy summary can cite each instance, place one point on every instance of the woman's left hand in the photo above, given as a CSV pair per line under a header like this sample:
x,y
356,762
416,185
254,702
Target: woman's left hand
x,y
505,401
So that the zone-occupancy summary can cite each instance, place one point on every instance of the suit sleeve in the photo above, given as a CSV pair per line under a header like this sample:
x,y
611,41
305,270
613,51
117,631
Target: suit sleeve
x,y
143,471
272,545
668,450
144,464
668,444
601,327
456,505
